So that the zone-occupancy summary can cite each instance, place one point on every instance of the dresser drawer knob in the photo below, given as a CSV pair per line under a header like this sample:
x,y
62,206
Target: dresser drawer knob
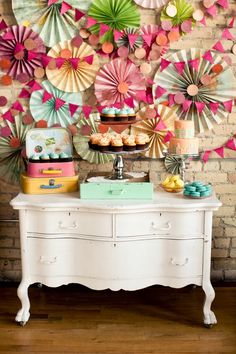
x,y
45,260
74,226
179,263
166,228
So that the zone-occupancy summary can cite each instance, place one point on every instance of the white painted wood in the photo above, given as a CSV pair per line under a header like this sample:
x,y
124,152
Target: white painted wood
x,y
114,244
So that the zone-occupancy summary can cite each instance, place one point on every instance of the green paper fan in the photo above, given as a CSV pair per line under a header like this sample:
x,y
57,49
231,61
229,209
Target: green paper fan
x,y
81,142
47,20
118,14
12,160
184,12
47,111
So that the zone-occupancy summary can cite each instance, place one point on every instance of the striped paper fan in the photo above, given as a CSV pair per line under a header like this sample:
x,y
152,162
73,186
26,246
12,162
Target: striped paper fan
x,y
221,89
151,4
125,42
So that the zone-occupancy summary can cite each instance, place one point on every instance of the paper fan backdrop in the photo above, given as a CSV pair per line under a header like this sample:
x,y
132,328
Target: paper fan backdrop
x,y
199,85
157,128
13,42
151,4
118,81
76,74
56,106
52,26
117,14
124,41
80,141
12,150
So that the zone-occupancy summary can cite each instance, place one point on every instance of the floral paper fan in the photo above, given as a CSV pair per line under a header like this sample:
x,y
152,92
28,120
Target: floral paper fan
x,y
80,141
118,81
124,41
12,150
157,128
56,106
151,4
117,14
199,85
76,74
13,43
47,20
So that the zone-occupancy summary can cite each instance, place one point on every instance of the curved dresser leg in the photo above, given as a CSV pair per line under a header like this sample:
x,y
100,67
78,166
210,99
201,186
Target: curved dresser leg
x,y
209,316
23,314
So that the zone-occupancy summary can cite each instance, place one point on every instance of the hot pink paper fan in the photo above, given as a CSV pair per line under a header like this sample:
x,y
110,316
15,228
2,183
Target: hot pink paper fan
x,y
118,81
13,47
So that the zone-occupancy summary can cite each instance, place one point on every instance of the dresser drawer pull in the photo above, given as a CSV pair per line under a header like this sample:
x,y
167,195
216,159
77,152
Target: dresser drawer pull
x,y
117,192
44,260
72,227
179,264
167,228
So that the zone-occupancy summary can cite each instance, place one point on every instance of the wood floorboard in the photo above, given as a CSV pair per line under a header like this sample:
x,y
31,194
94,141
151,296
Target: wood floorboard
x,y
156,320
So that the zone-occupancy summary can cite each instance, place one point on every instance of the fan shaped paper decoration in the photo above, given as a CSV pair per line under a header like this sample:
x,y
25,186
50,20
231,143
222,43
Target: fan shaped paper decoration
x,y
12,46
151,4
118,81
70,78
157,128
149,33
173,164
80,142
54,110
12,157
187,74
117,14
124,41
52,26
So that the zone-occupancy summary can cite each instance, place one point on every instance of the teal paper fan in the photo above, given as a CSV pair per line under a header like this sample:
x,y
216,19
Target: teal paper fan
x,y
118,14
49,111
12,151
80,142
47,19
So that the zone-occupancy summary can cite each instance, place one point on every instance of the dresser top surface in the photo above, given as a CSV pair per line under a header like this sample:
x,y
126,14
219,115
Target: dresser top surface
x,y
161,201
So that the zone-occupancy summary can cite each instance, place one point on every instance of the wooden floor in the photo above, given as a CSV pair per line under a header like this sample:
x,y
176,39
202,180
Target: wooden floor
x,y
74,319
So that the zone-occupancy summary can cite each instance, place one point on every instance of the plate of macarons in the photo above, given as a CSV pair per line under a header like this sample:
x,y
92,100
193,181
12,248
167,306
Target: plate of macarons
x,y
197,190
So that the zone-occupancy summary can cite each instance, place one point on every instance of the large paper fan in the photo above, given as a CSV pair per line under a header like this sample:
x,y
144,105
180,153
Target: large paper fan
x,y
187,74
117,14
118,81
151,4
70,78
48,111
12,46
80,142
157,128
47,20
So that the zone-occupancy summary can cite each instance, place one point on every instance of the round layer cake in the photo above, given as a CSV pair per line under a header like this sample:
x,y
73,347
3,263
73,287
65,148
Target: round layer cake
x,y
184,142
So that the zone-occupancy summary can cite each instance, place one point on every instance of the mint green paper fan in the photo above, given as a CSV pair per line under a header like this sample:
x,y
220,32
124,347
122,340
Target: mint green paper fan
x,y
12,159
47,111
47,20
184,12
80,142
118,14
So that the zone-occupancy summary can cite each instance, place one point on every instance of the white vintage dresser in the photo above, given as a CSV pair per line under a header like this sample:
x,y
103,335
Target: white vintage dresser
x,y
115,244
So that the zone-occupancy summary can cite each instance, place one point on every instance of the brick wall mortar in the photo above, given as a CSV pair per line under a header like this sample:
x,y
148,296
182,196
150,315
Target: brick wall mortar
x,y
220,172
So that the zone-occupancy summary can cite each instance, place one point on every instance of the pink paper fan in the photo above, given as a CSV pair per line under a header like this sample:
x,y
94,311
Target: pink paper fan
x,y
118,81
151,4
12,47
149,34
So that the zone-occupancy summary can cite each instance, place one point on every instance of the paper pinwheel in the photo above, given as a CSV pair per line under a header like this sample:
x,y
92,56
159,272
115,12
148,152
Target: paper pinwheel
x,y
151,4
158,128
117,14
80,141
55,106
131,39
48,19
117,82
173,164
76,73
14,42
199,85
149,34
12,146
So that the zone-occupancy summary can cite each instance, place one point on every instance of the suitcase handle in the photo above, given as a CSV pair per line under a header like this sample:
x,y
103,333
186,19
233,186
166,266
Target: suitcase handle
x,y
51,172
51,185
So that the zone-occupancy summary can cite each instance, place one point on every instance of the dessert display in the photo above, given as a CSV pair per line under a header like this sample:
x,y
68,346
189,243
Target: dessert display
x,y
173,184
197,190
116,115
184,142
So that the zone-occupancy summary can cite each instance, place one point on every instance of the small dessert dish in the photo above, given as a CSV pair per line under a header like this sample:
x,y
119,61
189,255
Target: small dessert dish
x,y
116,144
197,190
104,143
129,143
108,114
173,184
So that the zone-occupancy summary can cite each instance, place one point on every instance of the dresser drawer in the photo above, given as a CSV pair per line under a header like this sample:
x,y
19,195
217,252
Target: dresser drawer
x,y
80,223
177,225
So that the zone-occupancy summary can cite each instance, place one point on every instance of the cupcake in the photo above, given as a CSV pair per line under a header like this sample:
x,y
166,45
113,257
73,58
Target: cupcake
x,y
116,144
129,143
131,114
146,137
121,115
108,115
104,143
93,140
44,157
34,158
63,156
54,156
140,141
